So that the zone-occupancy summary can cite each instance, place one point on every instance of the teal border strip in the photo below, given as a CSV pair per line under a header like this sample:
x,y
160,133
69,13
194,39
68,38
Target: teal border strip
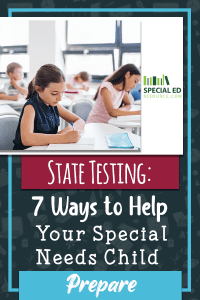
x,y
14,10
188,11
10,289
188,289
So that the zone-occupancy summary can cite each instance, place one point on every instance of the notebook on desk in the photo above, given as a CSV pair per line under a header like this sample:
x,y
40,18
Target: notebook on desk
x,y
82,144
119,140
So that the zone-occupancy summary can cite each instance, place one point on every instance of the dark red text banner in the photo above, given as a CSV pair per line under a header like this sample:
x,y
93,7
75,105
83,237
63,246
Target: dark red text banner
x,y
100,172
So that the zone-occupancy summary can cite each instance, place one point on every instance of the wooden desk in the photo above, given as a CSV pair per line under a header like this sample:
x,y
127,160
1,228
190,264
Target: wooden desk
x,y
98,131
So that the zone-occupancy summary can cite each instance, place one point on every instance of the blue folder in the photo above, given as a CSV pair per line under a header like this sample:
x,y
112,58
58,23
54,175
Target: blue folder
x,y
118,140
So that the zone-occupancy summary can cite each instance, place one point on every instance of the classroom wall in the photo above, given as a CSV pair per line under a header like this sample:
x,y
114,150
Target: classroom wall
x,y
60,43
43,46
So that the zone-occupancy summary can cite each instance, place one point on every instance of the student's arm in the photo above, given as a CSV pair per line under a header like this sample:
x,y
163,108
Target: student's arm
x,y
69,87
126,100
7,97
21,89
107,100
29,138
68,116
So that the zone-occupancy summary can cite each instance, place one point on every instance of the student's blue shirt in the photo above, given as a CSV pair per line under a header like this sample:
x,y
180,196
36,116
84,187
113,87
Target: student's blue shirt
x,y
46,120
136,92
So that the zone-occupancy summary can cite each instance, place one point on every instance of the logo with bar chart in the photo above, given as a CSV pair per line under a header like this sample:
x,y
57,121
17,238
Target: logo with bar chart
x,y
156,80
159,87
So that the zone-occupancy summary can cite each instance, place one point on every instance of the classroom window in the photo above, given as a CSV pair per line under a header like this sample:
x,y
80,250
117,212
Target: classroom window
x,y
131,58
14,32
85,37
91,31
130,31
22,59
93,64
116,58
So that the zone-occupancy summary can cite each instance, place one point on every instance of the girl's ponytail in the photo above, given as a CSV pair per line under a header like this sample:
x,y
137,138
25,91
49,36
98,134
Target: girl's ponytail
x,y
96,95
31,89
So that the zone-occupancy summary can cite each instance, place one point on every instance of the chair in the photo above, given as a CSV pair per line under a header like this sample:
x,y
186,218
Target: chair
x,y
8,126
82,108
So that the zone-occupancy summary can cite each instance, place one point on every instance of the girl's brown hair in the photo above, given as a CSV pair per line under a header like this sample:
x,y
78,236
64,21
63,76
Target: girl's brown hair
x,y
45,75
119,76
84,76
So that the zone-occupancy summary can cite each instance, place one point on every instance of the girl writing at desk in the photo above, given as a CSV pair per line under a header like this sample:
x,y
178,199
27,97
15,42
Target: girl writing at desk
x,y
39,119
114,91
79,82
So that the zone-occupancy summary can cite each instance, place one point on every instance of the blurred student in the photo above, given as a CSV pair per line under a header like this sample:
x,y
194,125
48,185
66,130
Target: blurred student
x,y
114,91
39,119
136,93
14,89
78,82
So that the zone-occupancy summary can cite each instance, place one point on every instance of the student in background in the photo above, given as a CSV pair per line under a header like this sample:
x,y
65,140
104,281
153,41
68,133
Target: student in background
x,y
39,119
79,82
16,87
136,93
112,92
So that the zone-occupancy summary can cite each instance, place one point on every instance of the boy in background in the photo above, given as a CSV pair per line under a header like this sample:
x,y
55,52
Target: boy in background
x,y
16,87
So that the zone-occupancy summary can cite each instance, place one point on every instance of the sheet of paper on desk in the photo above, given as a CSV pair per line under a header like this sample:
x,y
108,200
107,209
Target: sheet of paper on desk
x,y
86,141
83,144
129,118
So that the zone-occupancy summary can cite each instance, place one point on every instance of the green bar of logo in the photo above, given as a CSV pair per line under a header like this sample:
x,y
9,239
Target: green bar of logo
x,y
167,80
150,80
158,81
163,80
154,80
145,80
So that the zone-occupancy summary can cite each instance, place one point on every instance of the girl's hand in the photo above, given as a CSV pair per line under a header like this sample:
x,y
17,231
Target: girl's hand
x,y
72,136
65,130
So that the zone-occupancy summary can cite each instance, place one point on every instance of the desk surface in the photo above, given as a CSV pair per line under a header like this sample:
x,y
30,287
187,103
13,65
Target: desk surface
x,y
13,103
7,110
130,124
98,131
91,92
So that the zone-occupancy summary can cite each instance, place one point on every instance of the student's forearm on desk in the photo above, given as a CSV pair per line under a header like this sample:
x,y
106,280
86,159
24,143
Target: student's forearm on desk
x,y
119,112
115,112
65,130
69,87
78,125
7,97
40,139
